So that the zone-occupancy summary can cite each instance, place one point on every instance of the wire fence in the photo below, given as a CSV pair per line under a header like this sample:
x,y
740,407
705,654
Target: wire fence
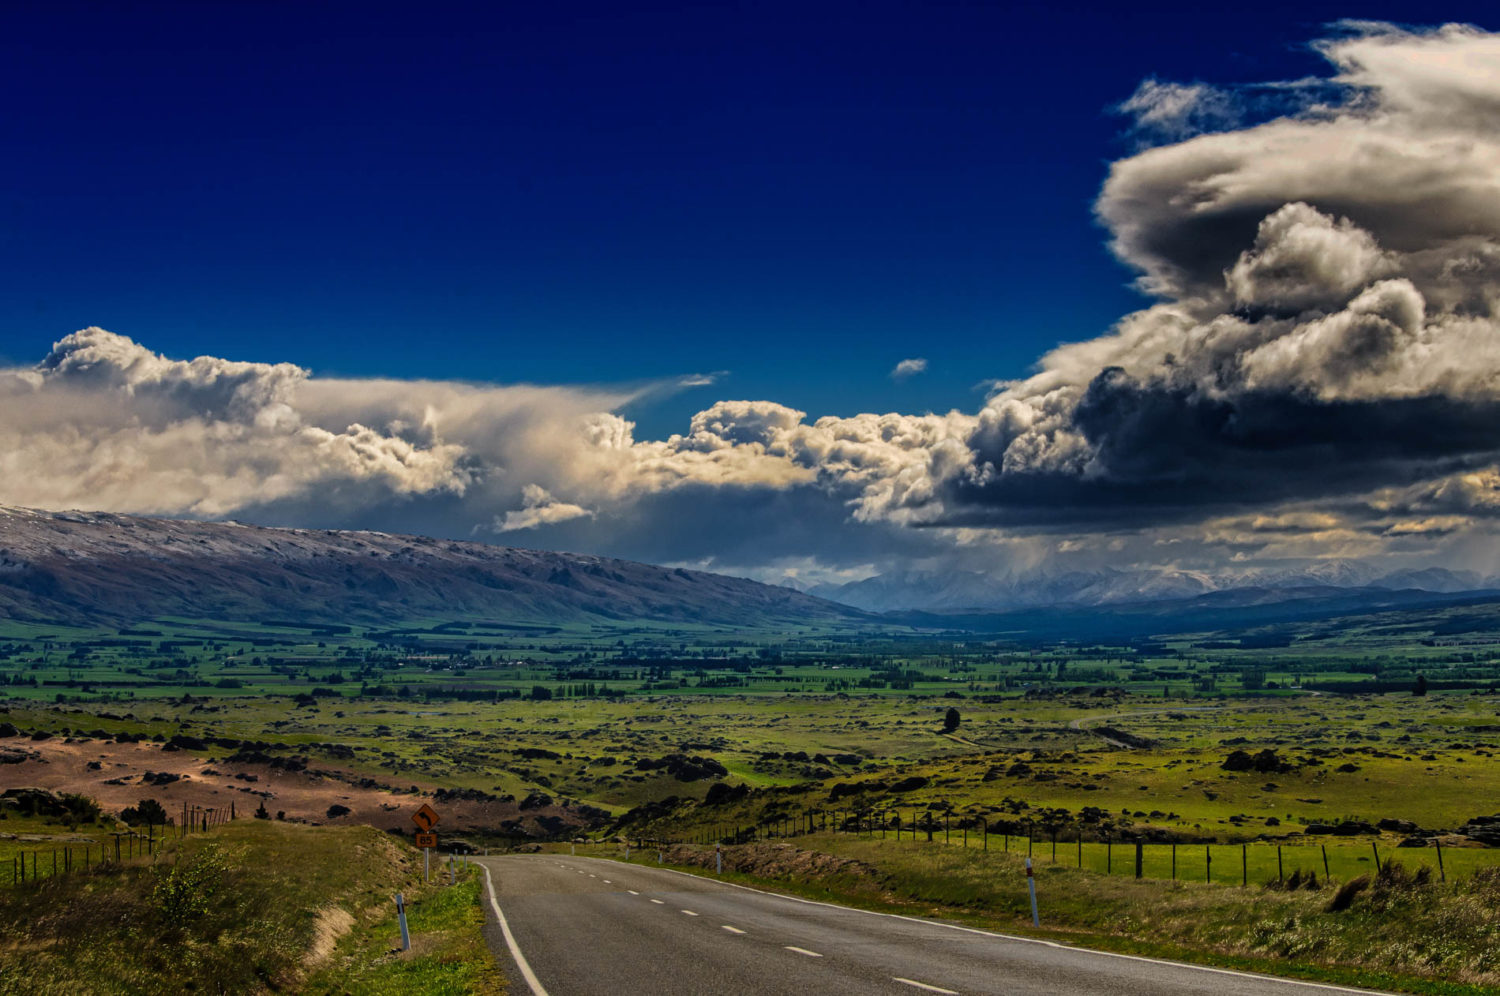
x,y
114,848
1241,863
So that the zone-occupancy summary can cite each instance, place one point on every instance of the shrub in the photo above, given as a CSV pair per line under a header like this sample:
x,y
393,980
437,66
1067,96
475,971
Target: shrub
x,y
184,889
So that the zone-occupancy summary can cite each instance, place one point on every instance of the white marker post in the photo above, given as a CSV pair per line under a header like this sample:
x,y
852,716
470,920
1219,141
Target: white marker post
x,y
401,916
1031,884
719,857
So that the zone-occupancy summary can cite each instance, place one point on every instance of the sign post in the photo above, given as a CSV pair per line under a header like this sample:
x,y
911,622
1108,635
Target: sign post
x,y
425,819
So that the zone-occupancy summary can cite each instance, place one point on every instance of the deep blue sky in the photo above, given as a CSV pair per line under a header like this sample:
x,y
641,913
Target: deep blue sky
x,y
799,194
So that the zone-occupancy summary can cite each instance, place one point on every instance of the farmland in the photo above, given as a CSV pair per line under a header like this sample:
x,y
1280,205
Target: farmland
x,y
1052,734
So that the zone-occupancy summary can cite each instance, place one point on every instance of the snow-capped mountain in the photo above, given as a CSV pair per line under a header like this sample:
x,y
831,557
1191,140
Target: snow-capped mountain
x,y
961,591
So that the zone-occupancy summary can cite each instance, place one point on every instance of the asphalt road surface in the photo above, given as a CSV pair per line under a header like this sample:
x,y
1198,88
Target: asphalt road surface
x,y
566,926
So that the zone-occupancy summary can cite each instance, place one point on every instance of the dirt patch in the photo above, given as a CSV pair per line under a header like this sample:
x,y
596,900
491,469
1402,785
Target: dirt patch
x,y
119,775
332,923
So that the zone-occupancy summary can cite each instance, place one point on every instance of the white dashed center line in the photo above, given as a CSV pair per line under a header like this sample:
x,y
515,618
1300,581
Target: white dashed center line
x,y
608,882
804,951
689,912
658,902
733,930
632,892
923,985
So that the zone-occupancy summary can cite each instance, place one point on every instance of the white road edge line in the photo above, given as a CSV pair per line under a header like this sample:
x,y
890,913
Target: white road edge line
x,y
537,988
1325,987
802,951
732,930
923,985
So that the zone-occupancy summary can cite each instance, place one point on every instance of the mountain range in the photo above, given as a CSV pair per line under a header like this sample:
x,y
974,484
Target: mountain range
x,y
96,568
966,592
88,568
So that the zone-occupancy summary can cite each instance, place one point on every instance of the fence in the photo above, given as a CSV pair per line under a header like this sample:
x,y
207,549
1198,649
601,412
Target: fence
x,y
1116,854
114,848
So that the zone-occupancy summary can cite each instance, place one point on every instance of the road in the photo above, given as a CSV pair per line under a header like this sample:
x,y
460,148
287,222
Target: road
x,y
574,926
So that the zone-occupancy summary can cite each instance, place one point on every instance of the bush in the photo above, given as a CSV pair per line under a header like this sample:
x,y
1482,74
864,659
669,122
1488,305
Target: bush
x,y
184,890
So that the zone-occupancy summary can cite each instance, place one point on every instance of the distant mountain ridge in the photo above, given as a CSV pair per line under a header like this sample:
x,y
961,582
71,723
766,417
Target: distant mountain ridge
x,y
960,591
93,567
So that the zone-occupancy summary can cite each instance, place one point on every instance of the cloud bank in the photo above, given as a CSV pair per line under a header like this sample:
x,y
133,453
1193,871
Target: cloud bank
x,y
1318,375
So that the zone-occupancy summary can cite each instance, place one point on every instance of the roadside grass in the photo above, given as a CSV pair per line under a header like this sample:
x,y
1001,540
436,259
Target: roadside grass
x,y
448,956
1402,931
247,908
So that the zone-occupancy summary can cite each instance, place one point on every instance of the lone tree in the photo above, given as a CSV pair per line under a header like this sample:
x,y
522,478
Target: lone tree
x,y
1421,688
950,720
149,812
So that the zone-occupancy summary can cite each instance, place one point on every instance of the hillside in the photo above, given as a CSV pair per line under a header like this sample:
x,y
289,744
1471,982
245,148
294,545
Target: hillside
x,y
967,591
92,567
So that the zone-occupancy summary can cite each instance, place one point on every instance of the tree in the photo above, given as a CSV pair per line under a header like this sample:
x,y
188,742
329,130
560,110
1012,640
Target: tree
x,y
149,812
950,720
1421,688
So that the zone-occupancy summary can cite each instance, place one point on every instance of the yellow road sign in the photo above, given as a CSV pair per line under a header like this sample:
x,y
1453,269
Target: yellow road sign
x,y
425,818
427,840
